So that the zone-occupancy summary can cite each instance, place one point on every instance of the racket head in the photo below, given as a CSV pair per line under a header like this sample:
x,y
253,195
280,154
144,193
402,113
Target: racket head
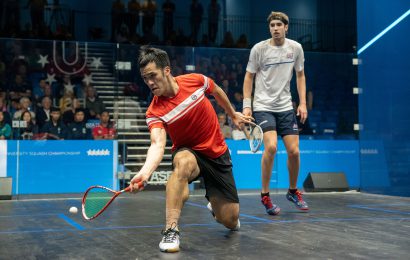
x,y
95,200
255,138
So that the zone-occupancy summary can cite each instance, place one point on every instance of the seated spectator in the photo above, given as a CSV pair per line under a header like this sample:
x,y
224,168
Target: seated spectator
x,y
3,87
94,105
3,90
38,90
25,105
55,129
28,131
77,130
238,101
226,129
48,92
228,41
238,134
68,114
3,108
43,112
80,91
66,101
19,88
14,106
66,85
5,128
242,42
105,130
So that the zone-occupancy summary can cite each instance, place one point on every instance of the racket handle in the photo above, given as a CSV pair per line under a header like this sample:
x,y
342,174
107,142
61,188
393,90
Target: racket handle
x,y
140,185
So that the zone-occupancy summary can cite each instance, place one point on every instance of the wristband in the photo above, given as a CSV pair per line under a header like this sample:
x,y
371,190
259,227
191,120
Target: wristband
x,y
247,103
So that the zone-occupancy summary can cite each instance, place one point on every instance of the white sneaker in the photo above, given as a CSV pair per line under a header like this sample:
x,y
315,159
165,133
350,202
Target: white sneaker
x,y
170,241
209,206
238,226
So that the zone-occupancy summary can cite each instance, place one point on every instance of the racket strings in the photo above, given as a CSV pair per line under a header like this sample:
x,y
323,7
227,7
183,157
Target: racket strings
x,y
96,200
256,138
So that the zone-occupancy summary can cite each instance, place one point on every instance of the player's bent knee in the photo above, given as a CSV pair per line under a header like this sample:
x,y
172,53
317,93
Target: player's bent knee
x,y
229,218
185,164
230,222
179,176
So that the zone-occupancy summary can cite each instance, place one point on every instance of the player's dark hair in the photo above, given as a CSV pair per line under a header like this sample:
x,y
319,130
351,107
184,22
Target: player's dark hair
x,y
110,124
149,54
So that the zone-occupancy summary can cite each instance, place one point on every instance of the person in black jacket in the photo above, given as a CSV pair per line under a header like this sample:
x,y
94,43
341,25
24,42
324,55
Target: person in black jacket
x,y
43,112
78,130
55,129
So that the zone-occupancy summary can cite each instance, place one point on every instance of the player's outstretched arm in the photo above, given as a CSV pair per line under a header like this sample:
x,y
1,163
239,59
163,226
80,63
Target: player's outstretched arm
x,y
222,100
154,157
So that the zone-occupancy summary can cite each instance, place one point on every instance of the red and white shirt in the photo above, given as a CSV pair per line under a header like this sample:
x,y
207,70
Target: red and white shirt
x,y
103,131
189,117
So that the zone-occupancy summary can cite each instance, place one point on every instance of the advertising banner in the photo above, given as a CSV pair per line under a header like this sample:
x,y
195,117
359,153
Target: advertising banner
x,y
42,167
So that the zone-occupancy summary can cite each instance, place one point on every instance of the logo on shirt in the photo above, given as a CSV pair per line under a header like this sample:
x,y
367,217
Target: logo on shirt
x,y
289,55
194,97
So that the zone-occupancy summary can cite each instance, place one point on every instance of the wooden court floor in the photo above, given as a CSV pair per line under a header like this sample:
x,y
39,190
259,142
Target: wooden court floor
x,y
338,226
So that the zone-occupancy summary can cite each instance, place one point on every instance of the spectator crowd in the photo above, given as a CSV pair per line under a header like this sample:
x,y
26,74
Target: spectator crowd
x,y
35,106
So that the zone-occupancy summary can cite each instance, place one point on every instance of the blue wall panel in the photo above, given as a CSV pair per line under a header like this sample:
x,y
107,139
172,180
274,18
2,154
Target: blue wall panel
x,y
383,105
316,156
60,166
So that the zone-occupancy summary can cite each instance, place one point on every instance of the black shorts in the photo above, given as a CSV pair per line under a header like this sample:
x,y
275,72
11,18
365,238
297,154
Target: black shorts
x,y
284,123
217,174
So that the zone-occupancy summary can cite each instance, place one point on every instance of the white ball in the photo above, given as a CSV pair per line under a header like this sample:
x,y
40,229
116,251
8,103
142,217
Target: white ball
x,y
73,210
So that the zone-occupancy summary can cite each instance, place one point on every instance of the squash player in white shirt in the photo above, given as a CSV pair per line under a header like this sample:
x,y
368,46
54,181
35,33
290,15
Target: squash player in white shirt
x,y
271,64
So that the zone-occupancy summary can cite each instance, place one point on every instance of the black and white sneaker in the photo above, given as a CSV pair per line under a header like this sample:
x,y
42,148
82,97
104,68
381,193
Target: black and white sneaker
x,y
170,241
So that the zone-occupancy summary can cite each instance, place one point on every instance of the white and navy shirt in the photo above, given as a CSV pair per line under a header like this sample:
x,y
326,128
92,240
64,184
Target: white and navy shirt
x,y
273,66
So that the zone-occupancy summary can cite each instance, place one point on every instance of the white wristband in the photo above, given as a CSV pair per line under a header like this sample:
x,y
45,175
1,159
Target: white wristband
x,y
247,103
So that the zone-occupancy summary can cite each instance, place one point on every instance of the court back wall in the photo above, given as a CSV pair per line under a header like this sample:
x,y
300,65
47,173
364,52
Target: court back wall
x,y
384,79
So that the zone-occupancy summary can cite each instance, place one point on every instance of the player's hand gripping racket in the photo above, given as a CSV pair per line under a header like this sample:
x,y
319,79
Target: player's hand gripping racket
x,y
97,198
254,134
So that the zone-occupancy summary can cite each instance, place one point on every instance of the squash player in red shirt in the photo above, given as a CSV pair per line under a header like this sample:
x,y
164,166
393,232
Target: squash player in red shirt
x,y
181,109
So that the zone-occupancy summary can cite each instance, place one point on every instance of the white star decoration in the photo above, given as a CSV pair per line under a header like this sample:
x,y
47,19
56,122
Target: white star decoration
x,y
43,60
87,79
69,88
98,152
51,78
96,62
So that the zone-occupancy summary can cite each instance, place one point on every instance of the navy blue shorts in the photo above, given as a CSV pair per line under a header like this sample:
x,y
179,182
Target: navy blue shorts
x,y
284,123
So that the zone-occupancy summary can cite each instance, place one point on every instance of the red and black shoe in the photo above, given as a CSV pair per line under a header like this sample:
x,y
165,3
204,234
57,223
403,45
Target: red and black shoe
x,y
297,199
271,209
